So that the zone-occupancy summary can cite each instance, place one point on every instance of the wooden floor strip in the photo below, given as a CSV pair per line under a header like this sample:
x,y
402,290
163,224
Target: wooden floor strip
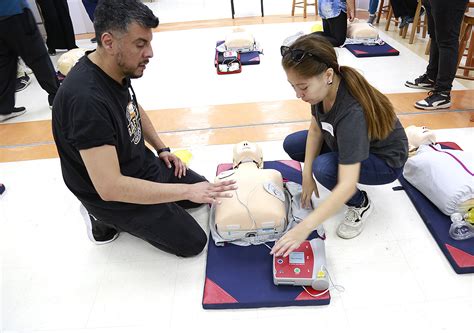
x,y
220,124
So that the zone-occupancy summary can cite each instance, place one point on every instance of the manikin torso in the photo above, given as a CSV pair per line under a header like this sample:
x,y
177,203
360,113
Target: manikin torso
x,y
258,205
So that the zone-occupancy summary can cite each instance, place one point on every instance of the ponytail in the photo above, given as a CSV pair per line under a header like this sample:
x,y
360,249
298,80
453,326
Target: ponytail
x,y
379,113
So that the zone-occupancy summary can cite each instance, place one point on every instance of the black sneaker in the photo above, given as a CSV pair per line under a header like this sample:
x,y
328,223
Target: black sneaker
x,y
16,112
98,232
422,82
435,100
22,82
2,189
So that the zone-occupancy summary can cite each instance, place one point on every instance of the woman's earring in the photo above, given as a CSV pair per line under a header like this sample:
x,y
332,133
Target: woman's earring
x,y
329,83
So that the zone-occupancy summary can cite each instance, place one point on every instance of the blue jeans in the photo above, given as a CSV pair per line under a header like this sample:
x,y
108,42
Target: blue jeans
x,y
373,170
373,5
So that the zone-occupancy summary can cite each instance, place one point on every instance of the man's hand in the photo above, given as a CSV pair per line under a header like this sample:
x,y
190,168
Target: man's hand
x,y
205,192
179,166
291,240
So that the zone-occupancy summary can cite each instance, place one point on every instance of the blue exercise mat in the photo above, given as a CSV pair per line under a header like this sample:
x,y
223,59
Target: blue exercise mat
x,y
246,58
242,276
361,50
460,253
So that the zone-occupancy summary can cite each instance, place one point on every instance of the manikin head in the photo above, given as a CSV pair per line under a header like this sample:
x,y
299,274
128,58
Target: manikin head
x,y
419,135
69,59
124,33
245,152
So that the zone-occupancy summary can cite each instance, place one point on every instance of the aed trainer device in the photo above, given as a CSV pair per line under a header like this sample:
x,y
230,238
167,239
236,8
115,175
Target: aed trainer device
x,y
228,62
305,266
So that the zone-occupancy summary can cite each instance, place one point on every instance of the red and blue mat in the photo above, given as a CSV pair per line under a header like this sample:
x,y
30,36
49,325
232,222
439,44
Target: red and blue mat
x,y
363,51
460,253
242,276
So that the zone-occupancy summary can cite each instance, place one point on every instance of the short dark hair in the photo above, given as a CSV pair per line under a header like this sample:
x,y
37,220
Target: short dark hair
x,y
116,15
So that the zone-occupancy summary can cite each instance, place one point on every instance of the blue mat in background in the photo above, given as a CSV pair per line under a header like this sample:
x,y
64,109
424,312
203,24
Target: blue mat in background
x,y
246,58
242,276
460,253
361,50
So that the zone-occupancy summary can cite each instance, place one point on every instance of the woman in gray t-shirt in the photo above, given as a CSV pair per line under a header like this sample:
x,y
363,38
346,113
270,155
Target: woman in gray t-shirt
x,y
354,137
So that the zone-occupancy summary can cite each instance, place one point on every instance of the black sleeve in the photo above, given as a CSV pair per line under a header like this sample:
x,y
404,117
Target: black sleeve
x,y
91,123
352,137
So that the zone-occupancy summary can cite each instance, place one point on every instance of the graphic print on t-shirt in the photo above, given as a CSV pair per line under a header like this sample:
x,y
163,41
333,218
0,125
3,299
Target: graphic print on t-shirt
x,y
134,124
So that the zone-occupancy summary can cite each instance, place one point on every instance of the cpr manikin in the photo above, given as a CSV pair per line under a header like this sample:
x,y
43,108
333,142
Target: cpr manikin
x,y
261,210
257,207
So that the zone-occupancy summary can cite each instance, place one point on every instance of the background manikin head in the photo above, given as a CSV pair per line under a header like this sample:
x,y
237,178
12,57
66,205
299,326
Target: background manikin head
x,y
69,59
247,152
419,135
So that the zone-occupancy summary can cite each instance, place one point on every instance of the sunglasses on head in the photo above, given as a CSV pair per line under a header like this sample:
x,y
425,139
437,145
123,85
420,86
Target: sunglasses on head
x,y
297,55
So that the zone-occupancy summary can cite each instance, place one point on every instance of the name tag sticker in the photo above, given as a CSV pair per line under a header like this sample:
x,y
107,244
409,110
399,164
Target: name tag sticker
x,y
328,128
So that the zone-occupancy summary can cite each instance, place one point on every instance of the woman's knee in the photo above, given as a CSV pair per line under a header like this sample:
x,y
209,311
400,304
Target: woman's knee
x,y
295,145
325,169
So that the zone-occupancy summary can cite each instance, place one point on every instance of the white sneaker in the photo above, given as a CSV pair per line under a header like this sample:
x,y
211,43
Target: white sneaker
x,y
354,220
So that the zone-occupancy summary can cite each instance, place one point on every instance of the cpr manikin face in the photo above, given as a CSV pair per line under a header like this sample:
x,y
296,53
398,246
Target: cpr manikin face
x,y
247,152
419,135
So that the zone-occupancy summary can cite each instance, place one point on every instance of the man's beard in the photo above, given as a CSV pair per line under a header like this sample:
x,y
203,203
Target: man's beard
x,y
128,71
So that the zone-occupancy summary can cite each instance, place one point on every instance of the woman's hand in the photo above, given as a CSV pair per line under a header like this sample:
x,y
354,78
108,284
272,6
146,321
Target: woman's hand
x,y
291,240
309,186
179,166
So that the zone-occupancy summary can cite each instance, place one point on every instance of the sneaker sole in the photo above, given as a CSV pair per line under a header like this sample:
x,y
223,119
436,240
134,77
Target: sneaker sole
x,y
444,106
418,87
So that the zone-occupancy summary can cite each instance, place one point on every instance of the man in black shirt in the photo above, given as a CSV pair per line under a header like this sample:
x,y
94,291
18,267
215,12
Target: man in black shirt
x,y
100,132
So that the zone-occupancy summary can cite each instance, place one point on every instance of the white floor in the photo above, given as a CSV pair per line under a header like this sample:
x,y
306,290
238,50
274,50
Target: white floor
x,y
55,280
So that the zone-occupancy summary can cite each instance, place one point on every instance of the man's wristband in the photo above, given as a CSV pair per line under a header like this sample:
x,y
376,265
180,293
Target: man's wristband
x,y
159,151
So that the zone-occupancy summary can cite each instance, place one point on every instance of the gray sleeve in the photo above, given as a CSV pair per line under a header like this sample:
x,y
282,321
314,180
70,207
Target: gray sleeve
x,y
352,137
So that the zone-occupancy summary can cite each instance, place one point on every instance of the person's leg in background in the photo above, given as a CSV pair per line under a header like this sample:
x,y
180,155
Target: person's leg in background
x,y
427,80
335,29
58,25
29,45
405,9
90,6
373,5
8,69
445,23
